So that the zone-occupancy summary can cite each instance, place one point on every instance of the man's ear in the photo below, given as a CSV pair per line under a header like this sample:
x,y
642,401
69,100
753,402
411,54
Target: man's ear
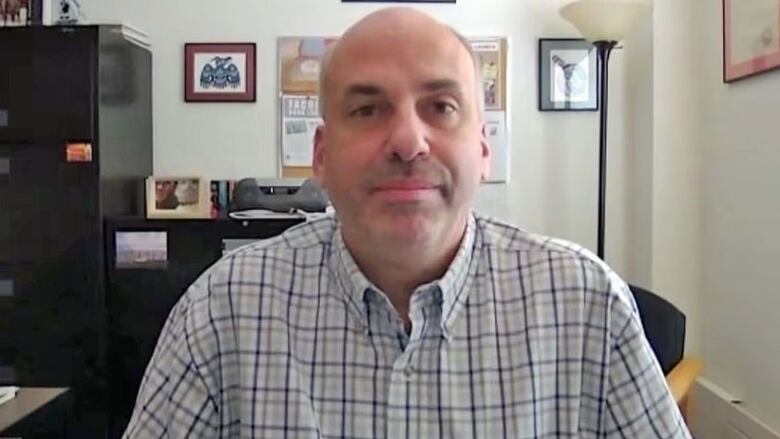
x,y
486,153
318,162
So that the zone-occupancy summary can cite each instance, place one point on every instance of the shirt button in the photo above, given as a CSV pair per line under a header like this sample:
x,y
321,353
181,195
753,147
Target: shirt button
x,y
408,371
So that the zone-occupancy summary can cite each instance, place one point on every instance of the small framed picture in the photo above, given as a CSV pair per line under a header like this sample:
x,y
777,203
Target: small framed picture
x,y
177,197
14,13
141,249
751,38
219,72
568,78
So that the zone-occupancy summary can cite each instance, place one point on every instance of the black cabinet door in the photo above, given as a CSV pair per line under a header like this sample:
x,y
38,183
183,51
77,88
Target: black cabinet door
x,y
47,83
49,251
48,206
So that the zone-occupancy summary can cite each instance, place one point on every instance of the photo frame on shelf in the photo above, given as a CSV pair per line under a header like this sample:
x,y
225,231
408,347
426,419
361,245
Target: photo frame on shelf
x,y
220,72
751,38
15,13
177,197
568,76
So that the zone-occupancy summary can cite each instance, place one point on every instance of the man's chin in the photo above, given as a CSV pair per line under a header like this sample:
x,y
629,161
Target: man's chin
x,y
407,231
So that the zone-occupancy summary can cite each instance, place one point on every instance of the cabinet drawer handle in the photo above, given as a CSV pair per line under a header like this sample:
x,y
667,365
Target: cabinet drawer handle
x,y
6,288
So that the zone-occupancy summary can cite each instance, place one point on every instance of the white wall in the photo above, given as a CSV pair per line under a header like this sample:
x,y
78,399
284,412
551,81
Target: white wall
x,y
740,148
554,156
639,196
676,163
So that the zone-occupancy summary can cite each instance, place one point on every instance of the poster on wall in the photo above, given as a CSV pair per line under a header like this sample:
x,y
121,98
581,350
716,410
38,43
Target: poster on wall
x,y
299,63
495,127
751,38
300,119
490,53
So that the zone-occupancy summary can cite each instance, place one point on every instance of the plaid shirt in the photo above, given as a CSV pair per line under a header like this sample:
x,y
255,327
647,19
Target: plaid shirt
x,y
523,337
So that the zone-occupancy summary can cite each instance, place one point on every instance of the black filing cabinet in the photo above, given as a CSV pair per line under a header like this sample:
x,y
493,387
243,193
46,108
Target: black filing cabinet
x,y
75,145
140,297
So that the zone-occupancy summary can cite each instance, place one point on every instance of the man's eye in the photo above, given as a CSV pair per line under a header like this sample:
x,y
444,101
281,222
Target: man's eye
x,y
364,111
444,107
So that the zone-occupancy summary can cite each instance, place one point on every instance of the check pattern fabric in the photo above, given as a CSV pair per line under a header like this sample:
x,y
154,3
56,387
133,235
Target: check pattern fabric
x,y
523,337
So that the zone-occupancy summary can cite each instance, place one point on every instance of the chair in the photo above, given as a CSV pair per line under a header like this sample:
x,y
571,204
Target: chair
x,y
664,327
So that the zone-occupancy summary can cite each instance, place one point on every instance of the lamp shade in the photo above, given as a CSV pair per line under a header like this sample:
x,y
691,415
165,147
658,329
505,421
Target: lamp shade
x,y
605,20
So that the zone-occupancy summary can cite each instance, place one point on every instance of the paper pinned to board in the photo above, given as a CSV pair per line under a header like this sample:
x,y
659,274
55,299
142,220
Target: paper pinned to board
x,y
496,130
300,119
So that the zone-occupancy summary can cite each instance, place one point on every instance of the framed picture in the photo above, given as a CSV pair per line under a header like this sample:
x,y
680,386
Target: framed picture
x,y
568,78
14,13
751,37
141,249
219,72
177,197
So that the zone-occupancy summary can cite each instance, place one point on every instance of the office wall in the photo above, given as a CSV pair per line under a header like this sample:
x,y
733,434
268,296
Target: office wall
x,y
553,156
740,150
676,164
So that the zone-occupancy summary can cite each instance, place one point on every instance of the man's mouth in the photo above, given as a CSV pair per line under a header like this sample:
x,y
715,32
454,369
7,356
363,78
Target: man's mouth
x,y
406,189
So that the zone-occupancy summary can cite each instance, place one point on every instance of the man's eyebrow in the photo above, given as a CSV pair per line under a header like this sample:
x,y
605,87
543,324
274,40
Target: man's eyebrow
x,y
442,85
363,89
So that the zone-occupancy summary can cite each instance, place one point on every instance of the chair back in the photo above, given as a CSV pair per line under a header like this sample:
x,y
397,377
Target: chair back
x,y
664,326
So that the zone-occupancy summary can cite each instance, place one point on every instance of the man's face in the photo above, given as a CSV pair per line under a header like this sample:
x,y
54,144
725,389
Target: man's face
x,y
403,150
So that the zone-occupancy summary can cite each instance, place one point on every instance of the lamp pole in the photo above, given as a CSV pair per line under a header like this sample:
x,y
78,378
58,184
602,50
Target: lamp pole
x,y
603,50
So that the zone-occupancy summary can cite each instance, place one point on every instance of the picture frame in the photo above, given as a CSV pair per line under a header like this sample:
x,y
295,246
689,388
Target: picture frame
x,y
141,249
568,75
751,38
183,197
15,13
220,72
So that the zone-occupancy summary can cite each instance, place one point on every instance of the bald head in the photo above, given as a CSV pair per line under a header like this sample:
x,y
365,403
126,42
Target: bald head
x,y
384,25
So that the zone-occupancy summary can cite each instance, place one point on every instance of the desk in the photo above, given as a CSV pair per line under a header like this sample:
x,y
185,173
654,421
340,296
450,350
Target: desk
x,y
27,402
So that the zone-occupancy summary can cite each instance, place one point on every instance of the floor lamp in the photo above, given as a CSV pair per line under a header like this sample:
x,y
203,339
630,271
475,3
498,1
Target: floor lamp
x,y
604,23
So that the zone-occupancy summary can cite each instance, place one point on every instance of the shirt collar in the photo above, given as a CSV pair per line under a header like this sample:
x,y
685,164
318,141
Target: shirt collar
x,y
452,284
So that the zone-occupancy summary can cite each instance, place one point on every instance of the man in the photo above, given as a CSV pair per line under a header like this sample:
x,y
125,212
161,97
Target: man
x,y
165,194
407,314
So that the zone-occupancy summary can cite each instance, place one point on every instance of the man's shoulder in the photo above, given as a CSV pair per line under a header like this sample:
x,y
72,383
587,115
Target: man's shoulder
x,y
269,257
310,235
262,268
553,265
504,237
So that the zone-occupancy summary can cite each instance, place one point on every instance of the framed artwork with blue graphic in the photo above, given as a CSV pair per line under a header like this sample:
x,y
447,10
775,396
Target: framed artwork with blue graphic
x,y
219,72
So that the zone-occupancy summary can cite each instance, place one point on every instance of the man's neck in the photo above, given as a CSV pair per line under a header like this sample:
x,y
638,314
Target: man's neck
x,y
398,269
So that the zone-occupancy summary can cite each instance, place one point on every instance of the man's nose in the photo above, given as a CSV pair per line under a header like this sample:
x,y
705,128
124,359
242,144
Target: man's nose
x,y
407,139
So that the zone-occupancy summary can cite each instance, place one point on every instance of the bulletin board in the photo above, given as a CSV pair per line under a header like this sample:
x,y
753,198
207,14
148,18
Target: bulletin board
x,y
299,70
491,56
